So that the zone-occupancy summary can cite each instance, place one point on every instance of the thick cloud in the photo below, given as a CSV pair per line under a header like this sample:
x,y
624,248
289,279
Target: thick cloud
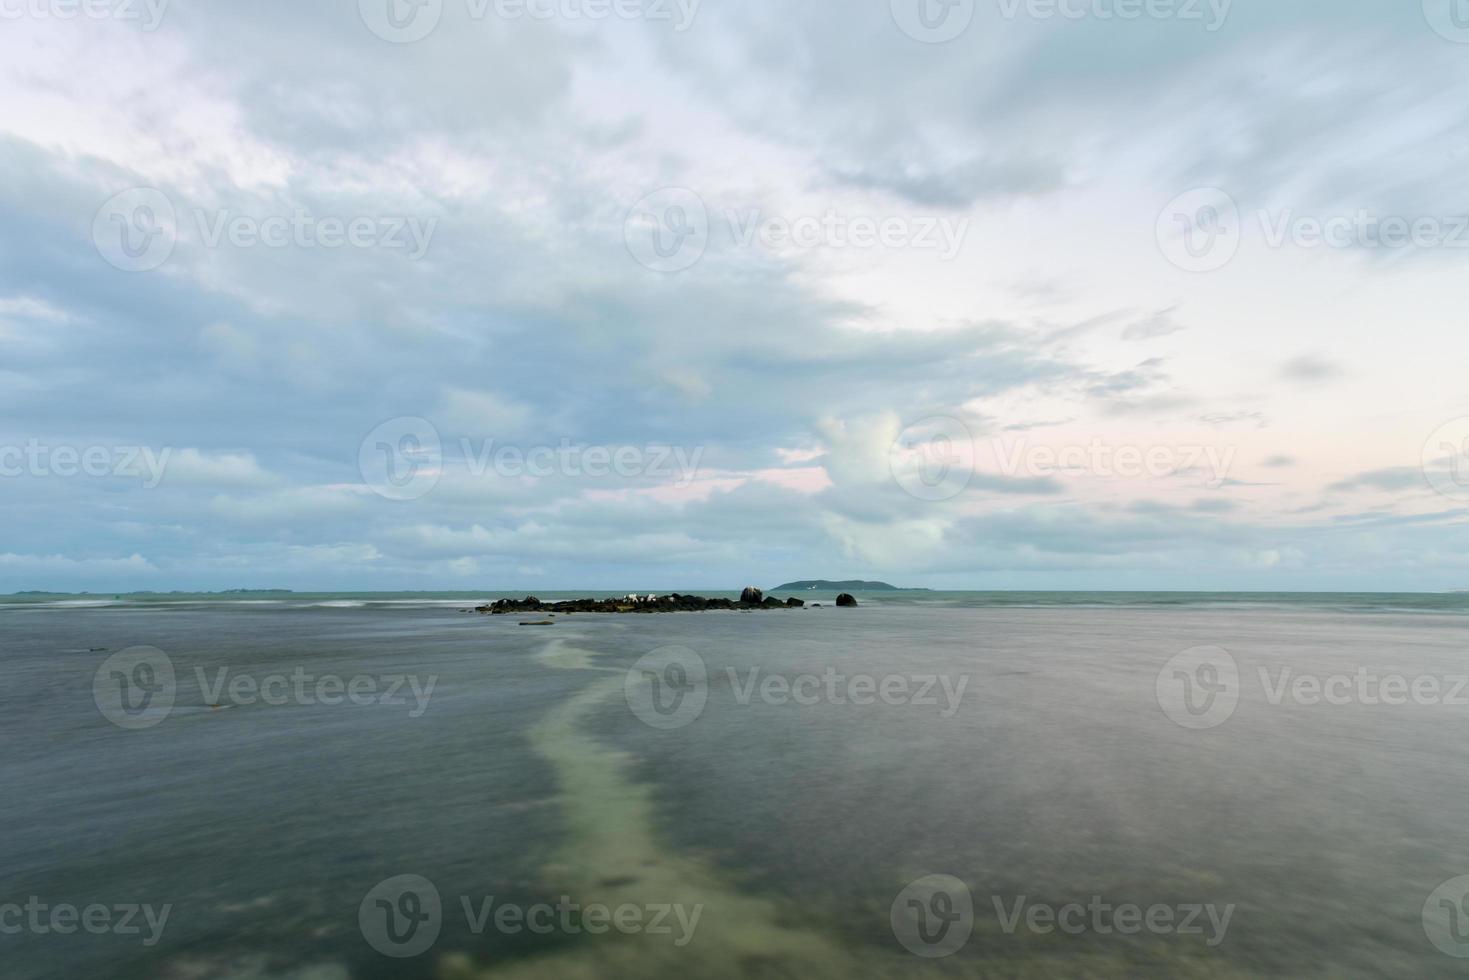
x,y
218,418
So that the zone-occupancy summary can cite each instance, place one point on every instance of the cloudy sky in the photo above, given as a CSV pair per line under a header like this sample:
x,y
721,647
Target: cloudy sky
x,y
538,294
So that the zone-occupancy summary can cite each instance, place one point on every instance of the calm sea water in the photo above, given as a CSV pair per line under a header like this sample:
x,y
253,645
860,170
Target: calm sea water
x,y
790,804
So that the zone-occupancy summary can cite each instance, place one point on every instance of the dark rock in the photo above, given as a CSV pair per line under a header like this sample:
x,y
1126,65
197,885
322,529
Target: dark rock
x,y
752,595
630,604
794,603
846,599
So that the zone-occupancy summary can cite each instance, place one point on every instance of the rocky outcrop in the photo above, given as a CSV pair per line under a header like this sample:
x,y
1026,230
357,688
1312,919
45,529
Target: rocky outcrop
x,y
636,604
752,595
846,599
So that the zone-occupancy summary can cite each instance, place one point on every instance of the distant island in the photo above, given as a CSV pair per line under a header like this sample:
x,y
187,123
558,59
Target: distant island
x,y
851,586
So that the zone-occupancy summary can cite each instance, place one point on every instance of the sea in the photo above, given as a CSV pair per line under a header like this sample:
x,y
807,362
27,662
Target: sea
x,y
287,786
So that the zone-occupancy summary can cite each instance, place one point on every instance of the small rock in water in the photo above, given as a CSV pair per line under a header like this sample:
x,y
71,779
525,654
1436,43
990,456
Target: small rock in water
x,y
752,595
543,622
846,599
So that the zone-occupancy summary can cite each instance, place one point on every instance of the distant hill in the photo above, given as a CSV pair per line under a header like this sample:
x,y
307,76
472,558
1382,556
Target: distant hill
x,y
823,584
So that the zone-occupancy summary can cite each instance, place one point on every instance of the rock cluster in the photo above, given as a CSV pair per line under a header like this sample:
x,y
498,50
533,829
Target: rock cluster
x,y
749,599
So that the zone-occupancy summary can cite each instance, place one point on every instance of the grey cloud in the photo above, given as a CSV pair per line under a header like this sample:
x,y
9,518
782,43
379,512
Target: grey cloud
x,y
1257,419
1310,367
1159,324
1391,479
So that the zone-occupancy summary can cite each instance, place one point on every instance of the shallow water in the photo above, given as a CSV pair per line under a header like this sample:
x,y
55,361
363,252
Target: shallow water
x,y
529,774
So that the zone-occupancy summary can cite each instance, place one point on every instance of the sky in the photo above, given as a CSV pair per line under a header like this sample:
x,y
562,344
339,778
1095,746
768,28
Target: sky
x,y
668,294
